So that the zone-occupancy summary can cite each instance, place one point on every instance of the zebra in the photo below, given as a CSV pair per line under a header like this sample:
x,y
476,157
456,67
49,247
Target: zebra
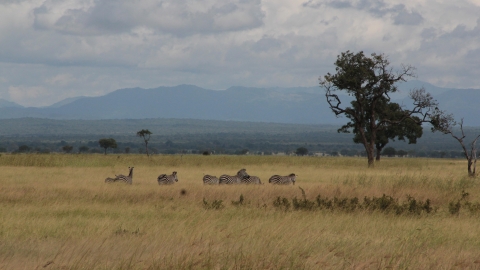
x,y
164,179
127,179
210,180
251,180
122,178
282,180
236,179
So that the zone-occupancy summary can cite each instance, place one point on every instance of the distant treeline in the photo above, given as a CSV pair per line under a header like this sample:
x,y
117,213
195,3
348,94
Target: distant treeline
x,y
174,136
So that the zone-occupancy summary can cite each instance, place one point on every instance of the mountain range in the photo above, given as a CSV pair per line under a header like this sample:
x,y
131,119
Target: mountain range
x,y
301,105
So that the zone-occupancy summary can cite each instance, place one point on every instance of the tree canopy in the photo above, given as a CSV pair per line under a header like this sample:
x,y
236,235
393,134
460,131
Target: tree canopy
x,y
107,143
301,151
389,151
67,148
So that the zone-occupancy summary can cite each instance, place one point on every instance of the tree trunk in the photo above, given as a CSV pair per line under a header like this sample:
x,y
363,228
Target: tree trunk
x,y
471,172
146,147
370,155
377,158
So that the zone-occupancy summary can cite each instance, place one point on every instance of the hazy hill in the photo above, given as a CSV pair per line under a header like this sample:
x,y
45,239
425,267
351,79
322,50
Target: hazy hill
x,y
302,105
65,102
463,103
298,105
8,104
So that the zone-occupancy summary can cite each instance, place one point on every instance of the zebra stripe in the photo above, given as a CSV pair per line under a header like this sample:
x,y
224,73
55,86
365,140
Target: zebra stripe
x,y
109,180
282,180
236,179
122,178
251,180
164,179
210,180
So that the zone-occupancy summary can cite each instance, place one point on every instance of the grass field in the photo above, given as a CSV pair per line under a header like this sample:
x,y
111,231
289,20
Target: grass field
x,y
57,213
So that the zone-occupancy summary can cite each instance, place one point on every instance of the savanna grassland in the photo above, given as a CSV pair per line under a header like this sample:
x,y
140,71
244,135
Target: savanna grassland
x,y
57,213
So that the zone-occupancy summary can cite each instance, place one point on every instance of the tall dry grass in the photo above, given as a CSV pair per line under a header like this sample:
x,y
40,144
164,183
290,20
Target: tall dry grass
x,y
57,213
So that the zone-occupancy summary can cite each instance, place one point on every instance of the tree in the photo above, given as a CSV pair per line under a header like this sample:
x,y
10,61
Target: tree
x,y
107,143
445,123
83,148
242,152
169,144
67,148
145,134
402,153
301,151
389,151
24,148
345,152
370,80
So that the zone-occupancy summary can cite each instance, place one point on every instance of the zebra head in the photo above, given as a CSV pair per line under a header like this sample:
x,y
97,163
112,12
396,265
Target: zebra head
x,y
242,173
292,177
175,176
130,172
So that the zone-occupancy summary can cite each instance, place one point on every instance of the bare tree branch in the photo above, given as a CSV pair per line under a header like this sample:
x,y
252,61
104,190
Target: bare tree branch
x,y
445,123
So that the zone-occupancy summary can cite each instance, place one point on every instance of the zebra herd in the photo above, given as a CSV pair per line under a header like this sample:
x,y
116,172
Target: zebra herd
x,y
242,177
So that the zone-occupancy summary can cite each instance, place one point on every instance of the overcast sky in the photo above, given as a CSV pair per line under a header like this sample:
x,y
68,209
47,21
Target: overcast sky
x,y
54,49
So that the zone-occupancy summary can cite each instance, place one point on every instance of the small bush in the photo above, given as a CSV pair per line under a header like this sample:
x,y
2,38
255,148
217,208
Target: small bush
x,y
454,207
240,201
215,205
303,204
386,204
121,231
282,203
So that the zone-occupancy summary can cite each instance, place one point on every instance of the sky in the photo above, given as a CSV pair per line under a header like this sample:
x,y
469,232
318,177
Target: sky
x,y
55,49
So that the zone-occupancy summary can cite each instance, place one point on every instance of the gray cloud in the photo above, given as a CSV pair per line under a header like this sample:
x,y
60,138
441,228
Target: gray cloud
x,y
172,17
377,8
266,43
449,58
404,17
429,33
334,4
452,42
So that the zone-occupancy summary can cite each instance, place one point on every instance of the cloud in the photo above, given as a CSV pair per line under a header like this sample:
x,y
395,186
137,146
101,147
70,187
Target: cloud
x,y
28,95
61,79
266,43
407,18
377,8
175,17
